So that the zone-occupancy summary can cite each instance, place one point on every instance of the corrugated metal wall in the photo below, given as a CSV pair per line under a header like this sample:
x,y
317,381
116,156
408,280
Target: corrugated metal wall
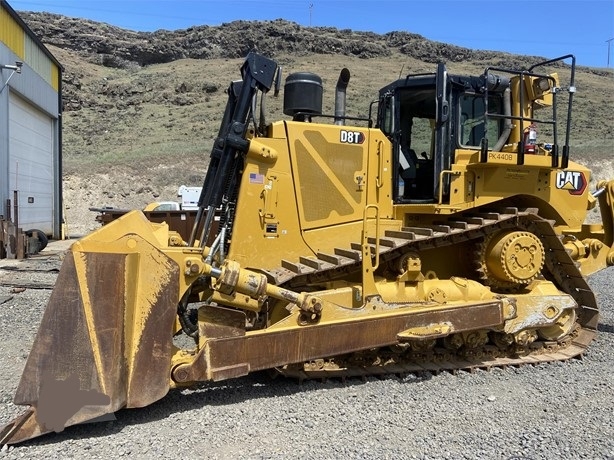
x,y
42,65
13,35
39,84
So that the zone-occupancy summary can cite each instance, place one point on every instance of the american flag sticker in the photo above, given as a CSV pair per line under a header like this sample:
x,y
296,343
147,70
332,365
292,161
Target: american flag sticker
x,y
255,178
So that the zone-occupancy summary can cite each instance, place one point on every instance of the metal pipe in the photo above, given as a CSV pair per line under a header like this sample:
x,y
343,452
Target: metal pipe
x,y
16,208
507,124
340,93
598,192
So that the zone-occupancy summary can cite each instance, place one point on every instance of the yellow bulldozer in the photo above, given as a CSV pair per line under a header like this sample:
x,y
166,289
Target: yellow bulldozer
x,y
445,230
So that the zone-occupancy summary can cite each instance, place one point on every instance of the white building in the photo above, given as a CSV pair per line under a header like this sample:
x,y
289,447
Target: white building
x,y
30,128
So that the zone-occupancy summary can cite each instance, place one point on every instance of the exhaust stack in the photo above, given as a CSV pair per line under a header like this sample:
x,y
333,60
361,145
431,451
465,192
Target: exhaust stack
x,y
342,84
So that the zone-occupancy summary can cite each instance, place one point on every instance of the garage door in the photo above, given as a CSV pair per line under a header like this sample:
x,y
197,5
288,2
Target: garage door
x,y
31,164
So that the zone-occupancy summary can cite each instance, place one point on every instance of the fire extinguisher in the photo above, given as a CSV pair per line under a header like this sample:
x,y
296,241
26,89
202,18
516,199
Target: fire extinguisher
x,y
530,139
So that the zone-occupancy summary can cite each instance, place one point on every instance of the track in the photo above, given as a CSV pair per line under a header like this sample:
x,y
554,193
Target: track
x,y
559,268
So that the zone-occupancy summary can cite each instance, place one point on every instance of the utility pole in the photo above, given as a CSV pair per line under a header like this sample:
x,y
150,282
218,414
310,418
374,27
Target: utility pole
x,y
608,42
311,10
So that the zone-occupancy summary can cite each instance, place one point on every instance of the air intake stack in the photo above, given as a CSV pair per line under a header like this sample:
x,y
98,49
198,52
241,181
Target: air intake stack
x,y
303,95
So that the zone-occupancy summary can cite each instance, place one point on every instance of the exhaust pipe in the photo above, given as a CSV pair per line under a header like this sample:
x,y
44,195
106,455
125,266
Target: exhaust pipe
x,y
342,84
507,124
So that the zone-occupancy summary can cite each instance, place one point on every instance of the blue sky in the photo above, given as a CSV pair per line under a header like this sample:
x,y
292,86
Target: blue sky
x,y
548,28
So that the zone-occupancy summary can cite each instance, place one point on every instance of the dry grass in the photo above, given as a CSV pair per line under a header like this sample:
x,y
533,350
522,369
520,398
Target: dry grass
x,y
158,122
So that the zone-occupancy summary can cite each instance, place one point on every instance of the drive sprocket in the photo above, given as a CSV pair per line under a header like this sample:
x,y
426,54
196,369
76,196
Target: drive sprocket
x,y
510,259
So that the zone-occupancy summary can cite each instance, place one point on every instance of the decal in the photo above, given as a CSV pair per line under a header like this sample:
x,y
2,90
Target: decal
x,y
574,181
255,178
517,174
352,137
500,156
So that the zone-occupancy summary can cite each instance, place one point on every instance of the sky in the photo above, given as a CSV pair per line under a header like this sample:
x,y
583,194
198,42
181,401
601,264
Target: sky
x,y
547,28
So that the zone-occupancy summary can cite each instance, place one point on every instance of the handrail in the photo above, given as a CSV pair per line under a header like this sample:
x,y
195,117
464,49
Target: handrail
x,y
379,183
366,253
441,175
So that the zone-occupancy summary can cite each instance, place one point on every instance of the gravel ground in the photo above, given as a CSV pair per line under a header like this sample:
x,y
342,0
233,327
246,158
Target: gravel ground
x,y
561,410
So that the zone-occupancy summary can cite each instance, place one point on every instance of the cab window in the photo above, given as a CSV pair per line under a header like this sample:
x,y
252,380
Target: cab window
x,y
472,119
421,141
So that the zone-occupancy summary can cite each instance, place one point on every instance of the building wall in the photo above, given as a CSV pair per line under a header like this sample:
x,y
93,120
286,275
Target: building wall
x,y
38,85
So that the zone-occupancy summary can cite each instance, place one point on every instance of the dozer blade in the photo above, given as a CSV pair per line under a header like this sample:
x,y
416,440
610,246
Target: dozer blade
x,y
105,340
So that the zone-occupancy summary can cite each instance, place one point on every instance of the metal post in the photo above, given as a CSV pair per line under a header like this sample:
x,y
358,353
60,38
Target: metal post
x,y
310,11
16,208
608,42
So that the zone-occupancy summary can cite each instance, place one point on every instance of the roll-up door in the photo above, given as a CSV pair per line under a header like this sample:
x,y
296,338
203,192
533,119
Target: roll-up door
x,y
31,164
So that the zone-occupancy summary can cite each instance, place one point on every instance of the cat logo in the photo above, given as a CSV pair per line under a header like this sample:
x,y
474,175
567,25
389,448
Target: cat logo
x,y
573,181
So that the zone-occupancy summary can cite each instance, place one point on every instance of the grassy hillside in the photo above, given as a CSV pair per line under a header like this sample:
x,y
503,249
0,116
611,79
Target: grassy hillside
x,y
171,111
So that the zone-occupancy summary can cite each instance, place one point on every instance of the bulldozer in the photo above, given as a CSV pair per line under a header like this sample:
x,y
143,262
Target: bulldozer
x,y
447,230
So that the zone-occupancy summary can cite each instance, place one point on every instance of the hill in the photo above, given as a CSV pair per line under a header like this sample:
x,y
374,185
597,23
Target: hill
x,y
156,98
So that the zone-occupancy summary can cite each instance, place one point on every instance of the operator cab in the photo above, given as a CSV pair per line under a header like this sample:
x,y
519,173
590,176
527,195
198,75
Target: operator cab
x,y
429,117
407,115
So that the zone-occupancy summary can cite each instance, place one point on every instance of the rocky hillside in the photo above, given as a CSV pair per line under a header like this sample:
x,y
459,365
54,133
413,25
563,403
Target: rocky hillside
x,y
141,109
115,47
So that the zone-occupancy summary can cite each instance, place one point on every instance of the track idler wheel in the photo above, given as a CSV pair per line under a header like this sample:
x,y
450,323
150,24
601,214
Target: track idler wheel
x,y
563,326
